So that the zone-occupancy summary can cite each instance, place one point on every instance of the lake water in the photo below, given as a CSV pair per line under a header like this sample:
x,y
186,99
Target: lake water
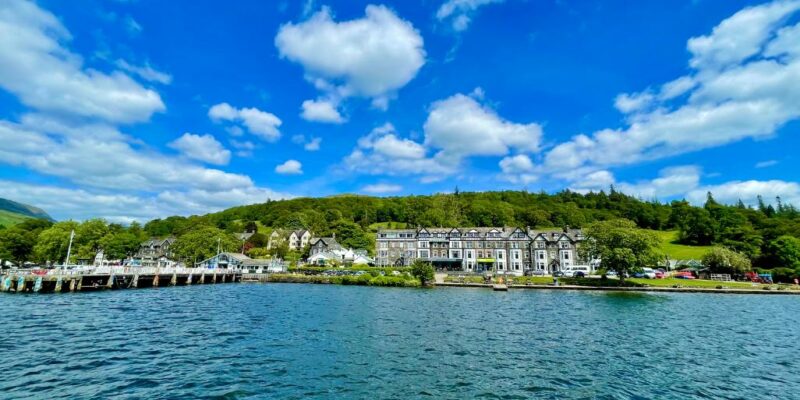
x,y
297,341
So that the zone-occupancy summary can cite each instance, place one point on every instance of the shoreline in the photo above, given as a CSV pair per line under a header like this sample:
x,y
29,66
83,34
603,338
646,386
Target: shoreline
x,y
628,289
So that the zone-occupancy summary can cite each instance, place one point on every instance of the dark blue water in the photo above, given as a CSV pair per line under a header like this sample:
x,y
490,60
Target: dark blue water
x,y
298,341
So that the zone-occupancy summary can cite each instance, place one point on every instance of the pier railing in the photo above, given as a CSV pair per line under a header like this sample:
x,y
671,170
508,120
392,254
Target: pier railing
x,y
124,271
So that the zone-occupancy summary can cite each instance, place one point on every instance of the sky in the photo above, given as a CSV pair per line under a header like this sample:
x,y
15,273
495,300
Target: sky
x,y
133,110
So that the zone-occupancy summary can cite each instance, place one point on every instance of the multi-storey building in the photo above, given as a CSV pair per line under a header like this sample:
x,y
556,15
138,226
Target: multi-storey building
x,y
296,240
504,250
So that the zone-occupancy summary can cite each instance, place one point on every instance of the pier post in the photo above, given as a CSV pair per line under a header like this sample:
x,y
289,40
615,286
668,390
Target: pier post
x,y
189,280
214,280
80,283
174,280
37,284
110,283
21,284
135,281
59,283
223,277
155,280
202,279
5,285
72,285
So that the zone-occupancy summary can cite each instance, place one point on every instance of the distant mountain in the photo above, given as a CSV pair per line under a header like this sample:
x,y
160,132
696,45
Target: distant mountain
x,y
12,212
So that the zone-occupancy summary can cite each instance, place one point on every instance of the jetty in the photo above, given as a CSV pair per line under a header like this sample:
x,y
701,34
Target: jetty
x,y
112,278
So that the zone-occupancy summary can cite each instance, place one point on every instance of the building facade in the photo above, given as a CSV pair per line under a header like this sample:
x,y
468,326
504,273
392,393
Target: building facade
x,y
506,250
296,240
154,253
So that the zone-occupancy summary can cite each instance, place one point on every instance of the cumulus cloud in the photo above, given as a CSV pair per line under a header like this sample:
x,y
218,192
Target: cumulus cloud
x,y
384,152
309,144
202,147
260,123
46,76
744,83
518,169
321,111
381,188
290,167
461,126
372,57
460,12
71,132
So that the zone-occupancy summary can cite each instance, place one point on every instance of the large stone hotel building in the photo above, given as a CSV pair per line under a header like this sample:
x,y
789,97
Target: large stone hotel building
x,y
504,250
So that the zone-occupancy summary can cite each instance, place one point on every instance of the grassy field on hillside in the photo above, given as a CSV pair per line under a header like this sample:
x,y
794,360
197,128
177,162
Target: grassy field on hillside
x,y
8,218
677,251
387,225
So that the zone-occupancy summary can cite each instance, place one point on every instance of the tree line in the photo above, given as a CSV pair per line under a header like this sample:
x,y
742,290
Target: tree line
x,y
766,234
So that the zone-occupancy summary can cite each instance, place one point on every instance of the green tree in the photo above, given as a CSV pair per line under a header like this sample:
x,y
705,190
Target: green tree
x,y
786,252
350,234
423,271
621,247
119,245
721,259
200,244
52,243
16,245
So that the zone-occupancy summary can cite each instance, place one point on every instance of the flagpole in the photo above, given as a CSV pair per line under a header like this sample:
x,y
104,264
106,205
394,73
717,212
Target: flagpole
x,y
69,249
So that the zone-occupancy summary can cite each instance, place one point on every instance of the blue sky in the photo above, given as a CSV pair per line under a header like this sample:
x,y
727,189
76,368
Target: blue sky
x,y
131,110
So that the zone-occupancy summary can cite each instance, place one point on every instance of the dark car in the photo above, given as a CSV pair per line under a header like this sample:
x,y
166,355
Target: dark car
x,y
580,274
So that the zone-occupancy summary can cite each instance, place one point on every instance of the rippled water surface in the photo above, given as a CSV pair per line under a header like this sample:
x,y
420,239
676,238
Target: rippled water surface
x,y
298,341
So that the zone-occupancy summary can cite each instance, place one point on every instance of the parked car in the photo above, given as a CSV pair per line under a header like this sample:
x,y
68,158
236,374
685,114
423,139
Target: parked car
x,y
580,274
538,272
684,275
660,274
559,273
568,273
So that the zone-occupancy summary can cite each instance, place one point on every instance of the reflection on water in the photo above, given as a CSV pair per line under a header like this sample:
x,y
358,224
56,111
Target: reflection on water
x,y
297,341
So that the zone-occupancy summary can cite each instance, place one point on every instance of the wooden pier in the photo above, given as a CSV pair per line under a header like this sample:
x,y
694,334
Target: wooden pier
x,y
57,281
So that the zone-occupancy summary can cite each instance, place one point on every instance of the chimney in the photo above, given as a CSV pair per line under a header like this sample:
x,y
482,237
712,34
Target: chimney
x,y
566,228
334,235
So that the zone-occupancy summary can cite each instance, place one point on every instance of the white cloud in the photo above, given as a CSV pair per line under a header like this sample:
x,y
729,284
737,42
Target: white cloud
x,y
202,148
739,37
243,148
518,169
748,192
133,27
44,75
145,72
260,123
460,12
321,111
290,167
380,188
671,182
370,57
384,152
81,204
767,163
313,144
745,83
460,126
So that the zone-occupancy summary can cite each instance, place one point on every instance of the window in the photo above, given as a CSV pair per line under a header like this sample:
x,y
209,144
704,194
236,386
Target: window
x,y
566,256
500,256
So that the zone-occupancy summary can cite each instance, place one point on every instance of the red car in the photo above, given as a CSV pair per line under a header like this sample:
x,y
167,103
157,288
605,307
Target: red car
x,y
684,275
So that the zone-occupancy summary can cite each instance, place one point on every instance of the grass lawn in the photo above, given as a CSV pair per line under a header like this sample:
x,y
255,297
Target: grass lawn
x,y
8,218
387,225
675,251
694,283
